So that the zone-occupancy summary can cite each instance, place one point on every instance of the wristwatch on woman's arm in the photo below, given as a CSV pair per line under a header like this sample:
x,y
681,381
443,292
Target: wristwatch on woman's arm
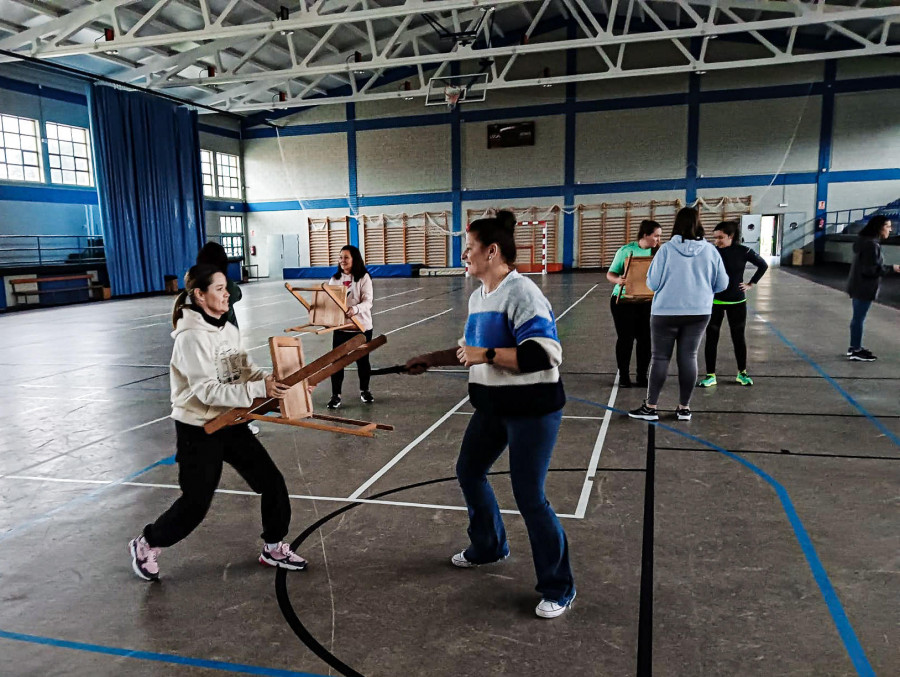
x,y
489,355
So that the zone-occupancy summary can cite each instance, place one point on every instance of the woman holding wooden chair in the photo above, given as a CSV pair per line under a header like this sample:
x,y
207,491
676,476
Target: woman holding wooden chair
x,y
632,320
685,274
209,374
513,353
351,272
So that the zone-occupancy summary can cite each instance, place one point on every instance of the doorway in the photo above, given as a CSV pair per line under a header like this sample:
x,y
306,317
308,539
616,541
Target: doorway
x,y
770,238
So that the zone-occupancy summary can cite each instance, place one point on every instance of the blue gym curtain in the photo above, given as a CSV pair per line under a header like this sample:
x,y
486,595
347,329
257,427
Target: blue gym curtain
x,y
147,154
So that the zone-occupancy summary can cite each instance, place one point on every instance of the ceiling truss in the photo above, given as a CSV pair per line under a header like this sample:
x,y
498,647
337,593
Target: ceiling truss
x,y
244,59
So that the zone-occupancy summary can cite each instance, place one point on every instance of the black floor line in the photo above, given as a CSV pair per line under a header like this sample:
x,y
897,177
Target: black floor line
x,y
742,412
785,452
645,618
861,377
281,575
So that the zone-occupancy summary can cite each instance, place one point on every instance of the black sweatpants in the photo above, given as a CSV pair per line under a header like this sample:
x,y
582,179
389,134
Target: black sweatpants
x,y
737,323
632,322
200,457
363,364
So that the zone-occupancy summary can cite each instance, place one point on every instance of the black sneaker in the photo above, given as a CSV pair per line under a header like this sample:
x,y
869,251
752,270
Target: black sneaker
x,y
641,383
862,355
625,383
644,413
683,413
334,402
366,397
849,352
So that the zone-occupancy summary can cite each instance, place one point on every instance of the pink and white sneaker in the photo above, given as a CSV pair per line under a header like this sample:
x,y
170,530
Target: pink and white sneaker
x,y
143,559
282,556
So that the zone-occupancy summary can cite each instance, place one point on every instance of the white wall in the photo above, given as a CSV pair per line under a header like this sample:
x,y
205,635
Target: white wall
x,y
537,165
396,161
260,225
315,166
752,137
866,130
856,194
625,145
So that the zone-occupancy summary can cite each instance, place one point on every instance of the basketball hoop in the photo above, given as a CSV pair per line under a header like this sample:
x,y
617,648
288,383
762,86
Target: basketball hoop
x,y
452,94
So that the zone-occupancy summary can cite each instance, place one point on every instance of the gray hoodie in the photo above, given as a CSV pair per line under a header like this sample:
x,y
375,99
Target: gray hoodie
x,y
684,276
209,372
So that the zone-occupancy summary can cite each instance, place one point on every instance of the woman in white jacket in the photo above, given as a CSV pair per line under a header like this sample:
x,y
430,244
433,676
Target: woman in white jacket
x,y
351,272
209,374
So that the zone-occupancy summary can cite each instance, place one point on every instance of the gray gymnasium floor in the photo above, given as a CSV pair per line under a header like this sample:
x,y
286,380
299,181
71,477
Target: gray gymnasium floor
x,y
779,557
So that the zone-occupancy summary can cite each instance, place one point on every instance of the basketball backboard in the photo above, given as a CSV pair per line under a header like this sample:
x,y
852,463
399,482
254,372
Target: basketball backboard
x,y
450,90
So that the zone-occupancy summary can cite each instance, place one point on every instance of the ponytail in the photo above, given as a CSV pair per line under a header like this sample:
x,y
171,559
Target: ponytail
x,y
198,277
178,311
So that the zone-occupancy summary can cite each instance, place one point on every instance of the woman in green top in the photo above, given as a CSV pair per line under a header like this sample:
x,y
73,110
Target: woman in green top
x,y
632,320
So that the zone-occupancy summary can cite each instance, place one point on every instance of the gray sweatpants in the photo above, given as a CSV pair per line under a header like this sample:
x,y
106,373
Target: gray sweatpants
x,y
665,331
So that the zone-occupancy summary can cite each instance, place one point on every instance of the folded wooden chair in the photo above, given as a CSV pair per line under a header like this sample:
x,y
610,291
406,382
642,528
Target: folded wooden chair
x,y
327,309
296,408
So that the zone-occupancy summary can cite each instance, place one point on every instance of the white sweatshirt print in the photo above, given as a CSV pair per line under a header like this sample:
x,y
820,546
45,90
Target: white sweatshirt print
x,y
209,372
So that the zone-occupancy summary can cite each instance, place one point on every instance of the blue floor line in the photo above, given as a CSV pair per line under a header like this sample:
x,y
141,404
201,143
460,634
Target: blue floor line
x,y
169,460
834,384
838,615
152,656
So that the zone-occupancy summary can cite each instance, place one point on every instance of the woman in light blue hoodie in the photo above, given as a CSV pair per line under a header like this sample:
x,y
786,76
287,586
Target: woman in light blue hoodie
x,y
684,276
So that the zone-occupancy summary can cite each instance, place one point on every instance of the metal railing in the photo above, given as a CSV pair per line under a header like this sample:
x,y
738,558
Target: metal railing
x,y
837,221
46,250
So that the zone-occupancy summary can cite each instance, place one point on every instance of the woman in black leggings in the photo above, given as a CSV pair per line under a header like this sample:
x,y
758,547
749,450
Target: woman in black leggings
x,y
632,320
731,302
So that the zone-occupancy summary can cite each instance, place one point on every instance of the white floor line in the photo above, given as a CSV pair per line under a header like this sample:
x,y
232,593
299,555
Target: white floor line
x,y
238,492
409,447
576,303
387,310
399,293
595,456
424,319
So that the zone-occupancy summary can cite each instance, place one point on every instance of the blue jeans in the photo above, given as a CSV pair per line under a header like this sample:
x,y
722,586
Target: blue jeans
x,y
860,308
531,441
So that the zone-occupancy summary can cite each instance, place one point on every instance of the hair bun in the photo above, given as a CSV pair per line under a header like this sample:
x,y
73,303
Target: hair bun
x,y
506,220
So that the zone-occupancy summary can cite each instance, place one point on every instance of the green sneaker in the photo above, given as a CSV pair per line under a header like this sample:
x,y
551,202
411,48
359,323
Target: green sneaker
x,y
707,382
743,379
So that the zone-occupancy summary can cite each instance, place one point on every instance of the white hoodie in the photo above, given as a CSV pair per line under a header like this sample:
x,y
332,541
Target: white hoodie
x,y
209,372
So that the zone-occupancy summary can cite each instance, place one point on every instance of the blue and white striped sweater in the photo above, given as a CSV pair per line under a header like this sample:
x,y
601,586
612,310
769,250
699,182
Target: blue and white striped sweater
x,y
515,312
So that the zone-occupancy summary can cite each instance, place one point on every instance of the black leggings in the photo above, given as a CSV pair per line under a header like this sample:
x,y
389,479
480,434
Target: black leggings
x,y
632,322
200,458
363,364
737,322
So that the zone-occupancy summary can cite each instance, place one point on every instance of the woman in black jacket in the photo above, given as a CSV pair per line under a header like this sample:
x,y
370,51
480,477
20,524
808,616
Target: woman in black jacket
x,y
866,272
731,302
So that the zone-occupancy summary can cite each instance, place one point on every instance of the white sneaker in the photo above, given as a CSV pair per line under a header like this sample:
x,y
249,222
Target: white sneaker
x,y
253,428
550,609
459,560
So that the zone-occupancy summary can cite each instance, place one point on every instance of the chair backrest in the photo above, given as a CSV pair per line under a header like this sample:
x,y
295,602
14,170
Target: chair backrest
x,y
287,358
635,273
324,311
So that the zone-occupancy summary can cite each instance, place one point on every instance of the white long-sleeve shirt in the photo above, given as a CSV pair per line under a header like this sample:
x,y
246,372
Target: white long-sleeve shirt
x,y
359,296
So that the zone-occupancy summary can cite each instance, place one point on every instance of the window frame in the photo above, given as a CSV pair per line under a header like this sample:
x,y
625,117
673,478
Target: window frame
x,y
87,158
5,150
228,176
212,173
230,237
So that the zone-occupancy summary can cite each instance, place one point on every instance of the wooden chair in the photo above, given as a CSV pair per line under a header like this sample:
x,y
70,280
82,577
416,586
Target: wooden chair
x,y
635,289
327,309
297,408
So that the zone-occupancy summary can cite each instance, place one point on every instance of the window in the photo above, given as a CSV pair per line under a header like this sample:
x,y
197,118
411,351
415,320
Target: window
x,y
232,234
69,155
20,156
206,170
228,175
